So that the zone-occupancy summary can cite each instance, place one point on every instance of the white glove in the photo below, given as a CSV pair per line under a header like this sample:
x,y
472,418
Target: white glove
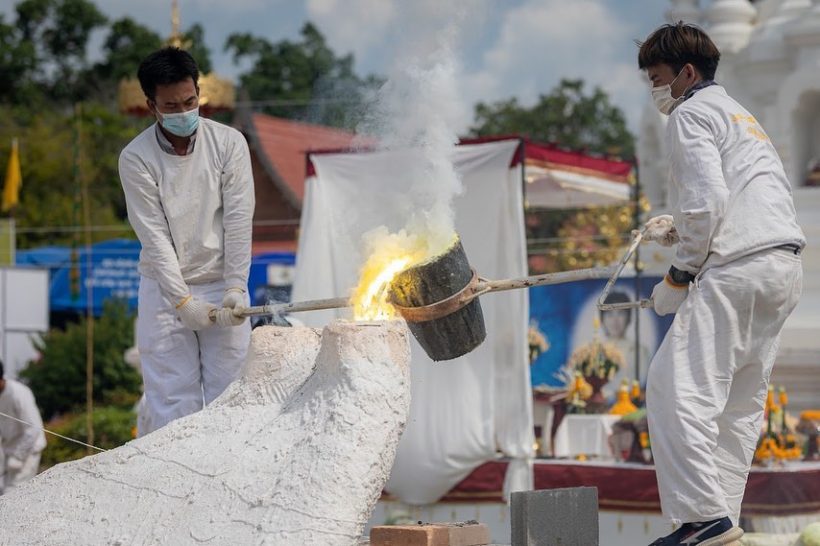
x,y
225,317
661,229
667,296
14,464
194,313
234,298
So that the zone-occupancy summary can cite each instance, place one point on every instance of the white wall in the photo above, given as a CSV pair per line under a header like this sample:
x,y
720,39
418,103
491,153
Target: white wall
x,y
23,315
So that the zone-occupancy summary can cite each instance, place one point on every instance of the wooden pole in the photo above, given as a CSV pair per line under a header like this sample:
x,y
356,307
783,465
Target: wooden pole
x,y
89,292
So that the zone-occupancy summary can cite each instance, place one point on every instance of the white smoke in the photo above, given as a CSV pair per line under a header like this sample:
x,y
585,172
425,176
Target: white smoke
x,y
416,110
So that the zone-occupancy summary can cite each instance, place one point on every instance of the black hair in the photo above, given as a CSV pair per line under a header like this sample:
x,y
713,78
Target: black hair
x,y
677,45
617,297
166,66
2,370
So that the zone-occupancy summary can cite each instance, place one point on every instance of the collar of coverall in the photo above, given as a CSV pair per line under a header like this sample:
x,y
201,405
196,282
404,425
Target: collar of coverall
x,y
697,87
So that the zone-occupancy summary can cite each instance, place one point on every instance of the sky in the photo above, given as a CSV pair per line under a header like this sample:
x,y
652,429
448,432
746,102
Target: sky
x,y
505,48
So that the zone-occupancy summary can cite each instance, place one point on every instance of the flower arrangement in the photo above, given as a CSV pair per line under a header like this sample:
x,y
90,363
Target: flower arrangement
x,y
597,362
623,405
597,359
537,341
577,389
777,445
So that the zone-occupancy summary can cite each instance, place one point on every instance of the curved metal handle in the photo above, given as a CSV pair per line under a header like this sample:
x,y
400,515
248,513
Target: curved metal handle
x,y
424,313
640,304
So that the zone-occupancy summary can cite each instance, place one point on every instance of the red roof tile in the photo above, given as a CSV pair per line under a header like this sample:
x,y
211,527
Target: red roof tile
x,y
285,144
261,247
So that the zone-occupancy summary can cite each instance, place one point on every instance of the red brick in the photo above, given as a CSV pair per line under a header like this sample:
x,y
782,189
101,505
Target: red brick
x,y
468,534
409,535
432,534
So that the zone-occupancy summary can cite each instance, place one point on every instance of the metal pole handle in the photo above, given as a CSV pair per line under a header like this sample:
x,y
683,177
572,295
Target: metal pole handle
x,y
640,304
480,287
293,307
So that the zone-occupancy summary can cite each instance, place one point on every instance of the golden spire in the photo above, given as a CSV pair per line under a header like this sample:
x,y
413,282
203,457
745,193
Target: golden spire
x,y
176,38
215,94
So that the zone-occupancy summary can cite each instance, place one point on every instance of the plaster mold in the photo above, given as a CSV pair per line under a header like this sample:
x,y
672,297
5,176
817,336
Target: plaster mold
x,y
295,452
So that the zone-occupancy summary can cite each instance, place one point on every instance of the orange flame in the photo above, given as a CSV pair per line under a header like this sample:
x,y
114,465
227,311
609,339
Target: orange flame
x,y
370,298
390,254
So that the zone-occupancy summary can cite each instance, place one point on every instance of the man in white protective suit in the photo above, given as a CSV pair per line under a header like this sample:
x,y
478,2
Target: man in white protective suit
x,y
189,193
21,442
735,278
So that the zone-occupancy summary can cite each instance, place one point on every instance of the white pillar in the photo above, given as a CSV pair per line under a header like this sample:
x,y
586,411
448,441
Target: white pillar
x,y
729,24
790,8
804,34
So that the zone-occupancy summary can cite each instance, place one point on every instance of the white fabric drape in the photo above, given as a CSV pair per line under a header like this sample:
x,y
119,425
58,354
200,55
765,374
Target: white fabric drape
x,y
465,409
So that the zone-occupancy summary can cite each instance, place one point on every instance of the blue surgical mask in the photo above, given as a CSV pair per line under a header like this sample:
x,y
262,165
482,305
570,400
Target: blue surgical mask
x,y
182,124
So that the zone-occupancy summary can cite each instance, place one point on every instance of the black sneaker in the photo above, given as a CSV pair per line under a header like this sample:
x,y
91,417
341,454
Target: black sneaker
x,y
717,532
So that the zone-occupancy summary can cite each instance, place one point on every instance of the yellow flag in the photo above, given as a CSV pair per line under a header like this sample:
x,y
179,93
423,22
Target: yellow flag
x,y
14,179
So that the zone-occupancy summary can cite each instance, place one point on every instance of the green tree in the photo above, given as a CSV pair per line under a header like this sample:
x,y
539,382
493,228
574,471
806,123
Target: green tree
x,y
53,36
48,198
566,116
194,42
58,378
18,63
307,76
126,45
113,426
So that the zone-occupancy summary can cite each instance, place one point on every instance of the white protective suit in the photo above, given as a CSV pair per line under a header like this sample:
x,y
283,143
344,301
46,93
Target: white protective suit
x,y
708,380
21,442
193,216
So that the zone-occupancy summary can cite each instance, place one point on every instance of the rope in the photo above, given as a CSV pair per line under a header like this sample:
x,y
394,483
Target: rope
x,y
53,433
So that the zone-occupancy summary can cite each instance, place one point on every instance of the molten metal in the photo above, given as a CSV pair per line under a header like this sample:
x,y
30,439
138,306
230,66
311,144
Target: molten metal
x,y
390,254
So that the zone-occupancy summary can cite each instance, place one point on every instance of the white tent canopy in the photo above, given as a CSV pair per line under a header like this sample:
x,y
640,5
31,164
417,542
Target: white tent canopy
x,y
557,178
462,410
553,188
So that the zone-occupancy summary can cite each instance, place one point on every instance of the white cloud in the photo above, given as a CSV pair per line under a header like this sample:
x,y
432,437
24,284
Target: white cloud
x,y
379,32
542,41
353,25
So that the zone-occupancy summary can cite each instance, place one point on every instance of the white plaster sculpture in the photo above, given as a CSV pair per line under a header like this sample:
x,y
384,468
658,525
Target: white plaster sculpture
x,y
295,452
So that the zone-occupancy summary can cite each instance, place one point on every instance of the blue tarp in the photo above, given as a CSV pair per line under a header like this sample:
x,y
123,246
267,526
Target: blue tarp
x,y
261,291
114,273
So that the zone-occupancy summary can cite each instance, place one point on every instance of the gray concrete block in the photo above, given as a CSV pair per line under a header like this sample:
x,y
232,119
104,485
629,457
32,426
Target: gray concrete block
x,y
555,517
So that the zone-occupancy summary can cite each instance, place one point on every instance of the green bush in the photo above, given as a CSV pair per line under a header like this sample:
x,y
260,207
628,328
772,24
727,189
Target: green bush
x,y
113,426
58,378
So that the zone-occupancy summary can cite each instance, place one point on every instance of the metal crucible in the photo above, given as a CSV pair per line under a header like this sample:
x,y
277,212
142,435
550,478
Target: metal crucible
x,y
438,301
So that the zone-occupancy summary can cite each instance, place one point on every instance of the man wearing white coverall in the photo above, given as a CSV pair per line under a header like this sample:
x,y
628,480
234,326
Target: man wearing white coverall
x,y
735,278
21,443
189,192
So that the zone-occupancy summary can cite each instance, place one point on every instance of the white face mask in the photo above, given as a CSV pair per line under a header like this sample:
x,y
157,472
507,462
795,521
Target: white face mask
x,y
662,95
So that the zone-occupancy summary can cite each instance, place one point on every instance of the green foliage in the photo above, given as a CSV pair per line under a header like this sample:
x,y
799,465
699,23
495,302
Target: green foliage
x,y
46,50
194,43
126,45
307,76
567,116
18,61
113,426
50,195
58,378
